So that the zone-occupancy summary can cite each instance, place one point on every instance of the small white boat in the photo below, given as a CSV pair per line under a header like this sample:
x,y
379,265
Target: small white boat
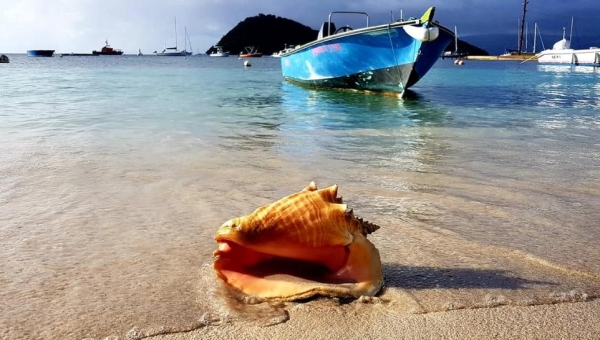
x,y
285,50
219,52
562,53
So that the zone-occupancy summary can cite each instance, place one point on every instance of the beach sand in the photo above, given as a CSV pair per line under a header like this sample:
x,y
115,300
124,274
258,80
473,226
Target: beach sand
x,y
453,290
556,321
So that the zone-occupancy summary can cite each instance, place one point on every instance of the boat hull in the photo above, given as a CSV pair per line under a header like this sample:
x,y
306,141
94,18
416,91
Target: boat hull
x,y
250,55
107,53
570,56
40,53
173,54
78,55
379,58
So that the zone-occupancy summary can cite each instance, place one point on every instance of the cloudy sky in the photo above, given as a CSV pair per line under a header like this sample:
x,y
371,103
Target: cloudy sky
x,y
83,25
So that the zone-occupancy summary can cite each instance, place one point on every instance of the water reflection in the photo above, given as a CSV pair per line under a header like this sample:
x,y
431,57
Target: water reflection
x,y
251,121
563,86
284,118
255,101
568,69
337,109
375,131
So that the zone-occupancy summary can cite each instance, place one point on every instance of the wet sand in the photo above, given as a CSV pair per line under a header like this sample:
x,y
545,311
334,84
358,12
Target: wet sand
x,y
438,287
144,268
556,321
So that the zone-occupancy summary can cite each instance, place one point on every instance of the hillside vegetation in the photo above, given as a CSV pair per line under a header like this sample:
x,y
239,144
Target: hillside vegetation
x,y
268,33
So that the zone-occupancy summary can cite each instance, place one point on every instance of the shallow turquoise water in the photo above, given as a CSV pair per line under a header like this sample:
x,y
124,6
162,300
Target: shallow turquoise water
x,y
116,172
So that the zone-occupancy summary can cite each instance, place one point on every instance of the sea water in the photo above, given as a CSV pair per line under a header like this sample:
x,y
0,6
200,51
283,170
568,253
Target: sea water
x,y
115,173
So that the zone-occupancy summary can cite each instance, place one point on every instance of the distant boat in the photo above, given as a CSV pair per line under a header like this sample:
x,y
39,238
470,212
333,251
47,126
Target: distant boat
x,y
286,49
174,51
562,53
385,58
219,52
72,54
107,50
251,52
40,53
139,52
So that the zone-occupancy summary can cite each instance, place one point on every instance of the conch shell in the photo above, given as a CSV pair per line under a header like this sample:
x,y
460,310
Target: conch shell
x,y
303,245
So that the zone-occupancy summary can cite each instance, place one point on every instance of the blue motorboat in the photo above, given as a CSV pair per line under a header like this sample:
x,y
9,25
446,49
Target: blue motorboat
x,y
40,53
385,58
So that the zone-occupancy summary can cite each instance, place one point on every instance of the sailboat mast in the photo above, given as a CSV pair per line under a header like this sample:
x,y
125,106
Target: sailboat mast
x,y
534,36
525,2
518,25
526,37
175,33
188,40
571,35
455,40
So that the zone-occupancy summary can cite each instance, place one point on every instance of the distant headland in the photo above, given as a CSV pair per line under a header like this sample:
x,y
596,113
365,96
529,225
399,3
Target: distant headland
x,y
269,34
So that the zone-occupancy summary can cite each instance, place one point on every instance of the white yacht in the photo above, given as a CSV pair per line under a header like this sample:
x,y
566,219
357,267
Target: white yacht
x,y
562,53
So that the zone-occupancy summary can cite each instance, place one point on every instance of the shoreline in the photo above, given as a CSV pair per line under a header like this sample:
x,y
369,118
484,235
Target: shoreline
x,y
550,321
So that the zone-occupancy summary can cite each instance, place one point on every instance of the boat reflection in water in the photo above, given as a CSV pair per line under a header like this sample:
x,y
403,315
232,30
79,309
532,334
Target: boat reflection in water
x,y
370,131
355,109
568,69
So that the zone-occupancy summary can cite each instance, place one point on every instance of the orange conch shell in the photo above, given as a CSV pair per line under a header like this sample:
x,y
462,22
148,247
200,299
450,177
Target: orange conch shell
x,y
306,244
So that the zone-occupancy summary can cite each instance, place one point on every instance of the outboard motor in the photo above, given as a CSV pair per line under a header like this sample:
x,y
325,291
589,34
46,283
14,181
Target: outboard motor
x,y
326,29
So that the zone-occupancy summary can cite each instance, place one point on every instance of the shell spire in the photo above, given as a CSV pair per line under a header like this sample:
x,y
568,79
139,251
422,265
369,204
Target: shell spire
x,y
365,227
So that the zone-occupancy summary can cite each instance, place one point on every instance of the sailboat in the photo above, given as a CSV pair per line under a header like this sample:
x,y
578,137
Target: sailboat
x,y
187,39
453,54
173,51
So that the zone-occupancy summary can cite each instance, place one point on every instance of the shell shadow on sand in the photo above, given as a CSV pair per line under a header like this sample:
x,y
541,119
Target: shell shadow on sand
x,y
435,289
407,277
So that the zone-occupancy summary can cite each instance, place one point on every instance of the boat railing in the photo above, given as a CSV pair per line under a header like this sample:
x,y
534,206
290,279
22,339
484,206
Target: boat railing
x,y
344,12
